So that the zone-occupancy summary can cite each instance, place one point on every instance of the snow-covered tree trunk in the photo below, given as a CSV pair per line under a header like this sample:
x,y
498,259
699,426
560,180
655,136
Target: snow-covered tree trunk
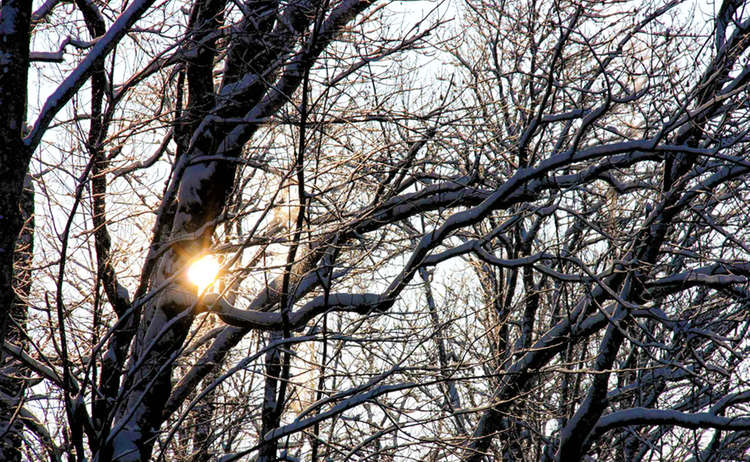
x,y
204,187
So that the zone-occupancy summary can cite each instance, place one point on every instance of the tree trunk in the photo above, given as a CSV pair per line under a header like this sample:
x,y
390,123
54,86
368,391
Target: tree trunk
x,y
14,161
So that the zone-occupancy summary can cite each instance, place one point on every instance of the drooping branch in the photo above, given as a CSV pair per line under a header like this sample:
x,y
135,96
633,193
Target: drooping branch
x,y
645,416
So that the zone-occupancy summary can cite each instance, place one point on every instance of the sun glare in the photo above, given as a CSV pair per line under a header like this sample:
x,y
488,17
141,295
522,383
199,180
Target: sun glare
x,y
203,272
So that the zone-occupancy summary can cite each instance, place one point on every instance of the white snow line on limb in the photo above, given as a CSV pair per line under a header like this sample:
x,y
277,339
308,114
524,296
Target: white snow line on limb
x,y
646,416
75,80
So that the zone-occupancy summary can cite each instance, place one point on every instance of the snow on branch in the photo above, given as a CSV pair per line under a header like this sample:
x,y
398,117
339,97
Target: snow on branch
x,y
645,416
45,9
250,319
336,410
291,75
34,425
75,80
41,369
693,278
57,56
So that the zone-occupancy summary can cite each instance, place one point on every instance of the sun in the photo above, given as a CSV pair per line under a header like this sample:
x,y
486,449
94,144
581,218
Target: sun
x,y
203,272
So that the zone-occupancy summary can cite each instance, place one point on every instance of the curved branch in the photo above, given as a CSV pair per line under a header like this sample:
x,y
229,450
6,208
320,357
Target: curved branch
x,y
646,416
83,71
263,320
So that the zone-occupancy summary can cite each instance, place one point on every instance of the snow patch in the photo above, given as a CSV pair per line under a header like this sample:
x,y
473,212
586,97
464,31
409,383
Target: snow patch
x,y
192,181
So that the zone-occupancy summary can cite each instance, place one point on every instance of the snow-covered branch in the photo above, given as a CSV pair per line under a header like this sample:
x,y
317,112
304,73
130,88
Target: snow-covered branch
x,y
264,320
57,56
646,416
43,370
83,71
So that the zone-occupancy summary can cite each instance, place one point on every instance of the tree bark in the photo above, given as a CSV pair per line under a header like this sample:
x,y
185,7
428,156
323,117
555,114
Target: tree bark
x,y
14,160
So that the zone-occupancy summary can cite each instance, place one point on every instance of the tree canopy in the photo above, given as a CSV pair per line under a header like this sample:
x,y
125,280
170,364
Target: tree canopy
x,y
456,230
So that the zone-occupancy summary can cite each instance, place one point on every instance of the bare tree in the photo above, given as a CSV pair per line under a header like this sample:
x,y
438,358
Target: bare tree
x,y
509,230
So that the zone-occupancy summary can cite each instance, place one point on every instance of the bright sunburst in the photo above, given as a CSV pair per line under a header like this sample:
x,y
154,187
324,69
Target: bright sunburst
x,y
203,272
